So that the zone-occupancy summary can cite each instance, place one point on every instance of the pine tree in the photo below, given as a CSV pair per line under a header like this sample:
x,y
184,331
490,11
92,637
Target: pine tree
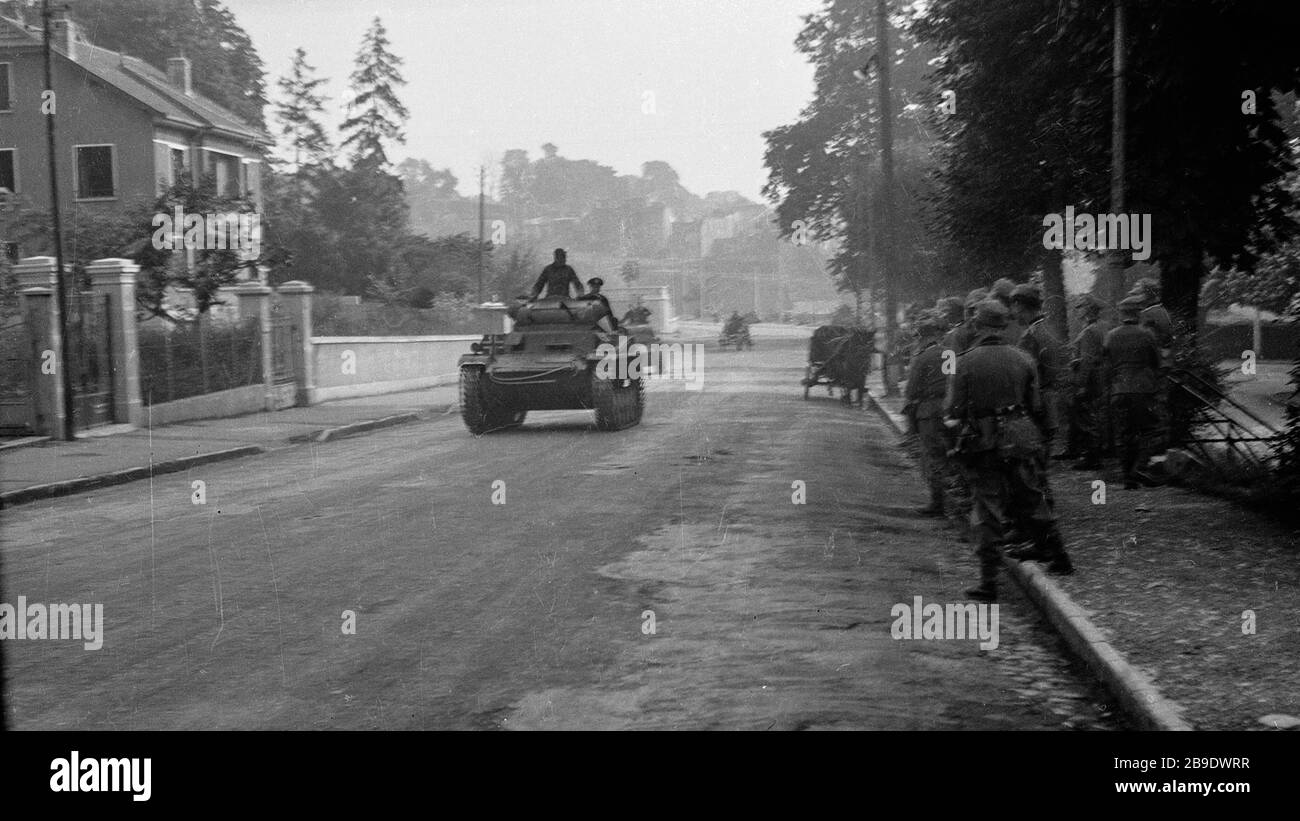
x,y
374,113
298,112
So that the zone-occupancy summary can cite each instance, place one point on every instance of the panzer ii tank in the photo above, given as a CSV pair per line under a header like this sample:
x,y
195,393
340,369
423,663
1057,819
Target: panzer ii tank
x,y
550,360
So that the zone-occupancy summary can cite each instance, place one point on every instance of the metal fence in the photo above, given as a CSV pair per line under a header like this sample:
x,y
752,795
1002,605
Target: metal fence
x,y
198,358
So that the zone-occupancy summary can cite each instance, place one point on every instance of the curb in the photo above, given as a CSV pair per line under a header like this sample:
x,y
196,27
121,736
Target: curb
x,y
329,434
120,477
1136,693
71,486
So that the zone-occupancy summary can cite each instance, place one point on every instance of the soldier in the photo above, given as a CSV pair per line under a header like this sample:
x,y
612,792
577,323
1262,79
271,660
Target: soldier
x,y
1087,389
994,394
1132,359
926,386
1001,290
1154,317
594,295
960,338
1045,350
556,278
951,310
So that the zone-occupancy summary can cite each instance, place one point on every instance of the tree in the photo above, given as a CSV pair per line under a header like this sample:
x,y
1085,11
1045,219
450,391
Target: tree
x,y
207,270
298,110
375,114
227,68
823,169
1032,128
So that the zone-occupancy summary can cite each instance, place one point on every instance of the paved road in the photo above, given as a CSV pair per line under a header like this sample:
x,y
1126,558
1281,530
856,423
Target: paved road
x,y
531,613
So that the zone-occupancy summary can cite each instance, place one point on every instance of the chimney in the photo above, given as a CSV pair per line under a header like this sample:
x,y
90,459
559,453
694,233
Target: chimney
x,y
178,74
63,34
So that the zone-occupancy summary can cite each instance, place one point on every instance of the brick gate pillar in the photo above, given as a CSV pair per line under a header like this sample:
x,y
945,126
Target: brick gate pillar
x,y
296,297
116,279
255,301
38,281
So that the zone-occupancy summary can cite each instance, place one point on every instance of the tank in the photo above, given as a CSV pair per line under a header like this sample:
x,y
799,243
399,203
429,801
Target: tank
x,y
548,361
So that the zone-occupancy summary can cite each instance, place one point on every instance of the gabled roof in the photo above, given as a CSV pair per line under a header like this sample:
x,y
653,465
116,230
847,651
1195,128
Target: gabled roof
x,y
143,83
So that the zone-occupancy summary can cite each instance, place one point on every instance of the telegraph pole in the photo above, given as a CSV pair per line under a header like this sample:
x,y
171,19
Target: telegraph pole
x,y
1118,102
482,171
883,59
65,344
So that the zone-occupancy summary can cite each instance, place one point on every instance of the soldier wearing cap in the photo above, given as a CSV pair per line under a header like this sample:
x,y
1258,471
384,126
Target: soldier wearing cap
x,y
1045,349
1132,361
1084,440
1154,316
593,294
994,394
924,395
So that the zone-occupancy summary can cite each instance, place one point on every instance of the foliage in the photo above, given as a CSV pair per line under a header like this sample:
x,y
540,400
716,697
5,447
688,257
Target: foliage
x,y
375,114
299,110
227,68
195,358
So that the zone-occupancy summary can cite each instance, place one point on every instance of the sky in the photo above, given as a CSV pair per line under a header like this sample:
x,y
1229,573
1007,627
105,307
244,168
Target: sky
x,y
621,82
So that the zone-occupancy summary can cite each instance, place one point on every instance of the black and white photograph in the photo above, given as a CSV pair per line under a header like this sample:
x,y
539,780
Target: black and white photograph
x,y
651,365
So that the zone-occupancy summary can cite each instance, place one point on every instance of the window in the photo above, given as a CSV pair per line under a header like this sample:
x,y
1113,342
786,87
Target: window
x,y
8,170
95,172
225,170
178,164
6,90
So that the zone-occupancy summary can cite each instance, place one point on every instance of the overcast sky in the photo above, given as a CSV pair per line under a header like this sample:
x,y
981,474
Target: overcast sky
x,y
691,82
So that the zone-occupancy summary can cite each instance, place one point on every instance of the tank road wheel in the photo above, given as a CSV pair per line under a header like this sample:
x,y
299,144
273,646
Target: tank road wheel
x,y
480,413
617,406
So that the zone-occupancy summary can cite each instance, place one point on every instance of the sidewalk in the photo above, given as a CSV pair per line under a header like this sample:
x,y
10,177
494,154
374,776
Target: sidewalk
x,y
1183,605
118,454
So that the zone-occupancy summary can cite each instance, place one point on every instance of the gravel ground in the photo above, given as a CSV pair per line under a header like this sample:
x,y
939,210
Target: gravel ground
x,y
1174,579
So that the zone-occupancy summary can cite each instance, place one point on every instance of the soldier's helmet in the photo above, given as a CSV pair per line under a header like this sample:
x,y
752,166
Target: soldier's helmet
x,y
974,298
1028,294
1088,305
951,309
1131,305
931,324
1146,288
1002,290
991,314
596,282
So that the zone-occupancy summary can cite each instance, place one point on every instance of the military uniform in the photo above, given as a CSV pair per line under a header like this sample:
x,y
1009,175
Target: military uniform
x,y
926,387
556,279
995,394
1132,358
1088,388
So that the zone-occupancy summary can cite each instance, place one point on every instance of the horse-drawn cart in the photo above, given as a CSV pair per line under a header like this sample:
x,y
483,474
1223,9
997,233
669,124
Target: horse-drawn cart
x,y
839,356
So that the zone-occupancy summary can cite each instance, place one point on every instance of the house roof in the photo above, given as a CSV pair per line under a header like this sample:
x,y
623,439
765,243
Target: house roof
x,y
143,83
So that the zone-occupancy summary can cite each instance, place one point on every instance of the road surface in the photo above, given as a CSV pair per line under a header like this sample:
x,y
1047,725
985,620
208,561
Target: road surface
x,y
550,577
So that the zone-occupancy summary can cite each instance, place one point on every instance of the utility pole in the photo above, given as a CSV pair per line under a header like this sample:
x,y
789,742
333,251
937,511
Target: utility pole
x,y
1116,258
65,344
482,171
883,59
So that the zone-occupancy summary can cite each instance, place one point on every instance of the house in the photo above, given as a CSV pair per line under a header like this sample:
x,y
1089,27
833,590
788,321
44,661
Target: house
x,y
125,130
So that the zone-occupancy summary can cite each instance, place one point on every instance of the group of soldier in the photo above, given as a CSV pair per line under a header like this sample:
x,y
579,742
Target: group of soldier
x,y
987,385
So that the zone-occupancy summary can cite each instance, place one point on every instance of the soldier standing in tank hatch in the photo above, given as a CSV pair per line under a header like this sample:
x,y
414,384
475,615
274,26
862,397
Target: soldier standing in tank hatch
x,y
994,397
557,277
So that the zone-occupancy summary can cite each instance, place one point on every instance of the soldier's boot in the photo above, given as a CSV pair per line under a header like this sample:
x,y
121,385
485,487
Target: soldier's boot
x,y
987,590
936,506
1058,559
